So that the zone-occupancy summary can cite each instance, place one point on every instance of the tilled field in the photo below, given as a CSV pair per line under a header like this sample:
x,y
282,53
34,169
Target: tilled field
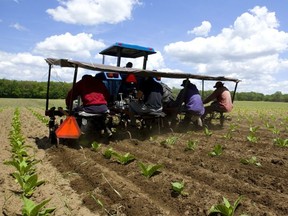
x,y
81,181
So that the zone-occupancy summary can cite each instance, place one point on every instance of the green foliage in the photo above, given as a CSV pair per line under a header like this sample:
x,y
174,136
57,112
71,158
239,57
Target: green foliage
x,y
123,159
149,170
40,117
281,142
23,165
191,145
108,153
169,141
252,160
252,134
225,209
28,183
178,187
25,170
32,89
217,150
32,209
95,146
207,132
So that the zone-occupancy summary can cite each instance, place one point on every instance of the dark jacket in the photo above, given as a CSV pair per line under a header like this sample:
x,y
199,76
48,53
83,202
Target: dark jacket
x,y
91,90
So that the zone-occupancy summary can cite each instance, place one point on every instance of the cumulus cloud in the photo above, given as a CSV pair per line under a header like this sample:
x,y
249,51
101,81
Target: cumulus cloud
x,y
249,50
93,12
69,46
202,30
22,66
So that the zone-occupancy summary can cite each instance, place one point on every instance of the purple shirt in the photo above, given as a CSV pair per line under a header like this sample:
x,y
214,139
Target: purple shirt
x,y
193,100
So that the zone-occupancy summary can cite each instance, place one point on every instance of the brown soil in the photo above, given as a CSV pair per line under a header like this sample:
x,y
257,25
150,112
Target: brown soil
x,y
77,178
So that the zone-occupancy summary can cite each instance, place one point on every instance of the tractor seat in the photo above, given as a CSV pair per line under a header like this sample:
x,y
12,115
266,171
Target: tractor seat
x,y
87,115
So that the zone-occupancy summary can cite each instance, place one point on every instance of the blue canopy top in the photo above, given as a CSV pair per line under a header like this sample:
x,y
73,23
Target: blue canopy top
x,y
127,50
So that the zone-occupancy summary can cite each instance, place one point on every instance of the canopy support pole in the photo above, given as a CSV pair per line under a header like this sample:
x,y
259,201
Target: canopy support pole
x,y
48,87
233,97
73,87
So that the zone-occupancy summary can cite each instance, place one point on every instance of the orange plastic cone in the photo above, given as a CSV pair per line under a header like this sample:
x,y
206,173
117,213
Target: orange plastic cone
x,y
69,129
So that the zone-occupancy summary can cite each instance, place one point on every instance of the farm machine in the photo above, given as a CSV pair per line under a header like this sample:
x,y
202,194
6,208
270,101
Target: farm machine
x,y
67,123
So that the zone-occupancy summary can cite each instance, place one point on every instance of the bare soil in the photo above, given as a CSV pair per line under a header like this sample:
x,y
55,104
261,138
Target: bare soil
x,y
78,179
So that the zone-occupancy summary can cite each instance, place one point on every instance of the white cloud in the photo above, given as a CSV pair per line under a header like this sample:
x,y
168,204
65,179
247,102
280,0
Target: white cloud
x,y
202,30
18,27
93,12
69,46
249,50
21,66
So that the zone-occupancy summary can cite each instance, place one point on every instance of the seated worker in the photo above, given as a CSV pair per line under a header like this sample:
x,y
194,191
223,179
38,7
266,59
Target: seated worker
x,y
193,105
152,93
129,65
93,93
128,86
222,100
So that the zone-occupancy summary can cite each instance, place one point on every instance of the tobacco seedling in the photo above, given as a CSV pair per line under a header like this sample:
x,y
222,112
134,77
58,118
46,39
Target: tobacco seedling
x,y
169,141
100,204
23,165
225,209
108,153
28,183
275,130
178,187
207,132
252,136
217,151
228,135
252,160
191,145
123,159
149,170
32,209
95,146
281,142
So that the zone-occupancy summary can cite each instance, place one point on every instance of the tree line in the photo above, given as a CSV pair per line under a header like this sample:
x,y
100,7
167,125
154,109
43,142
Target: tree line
x,y
32,89
59,90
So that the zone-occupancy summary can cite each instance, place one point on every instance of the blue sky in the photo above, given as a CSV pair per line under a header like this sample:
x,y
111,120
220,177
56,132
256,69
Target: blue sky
x,y
243,39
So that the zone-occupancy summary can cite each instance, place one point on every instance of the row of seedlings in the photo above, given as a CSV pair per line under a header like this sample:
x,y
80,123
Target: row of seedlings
x,y
25,171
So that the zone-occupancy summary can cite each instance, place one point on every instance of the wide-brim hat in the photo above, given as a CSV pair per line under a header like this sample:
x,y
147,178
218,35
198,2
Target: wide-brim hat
x,y
218,84
184,82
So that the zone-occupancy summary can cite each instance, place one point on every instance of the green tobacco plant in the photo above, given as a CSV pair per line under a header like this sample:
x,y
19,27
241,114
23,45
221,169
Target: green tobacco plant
x,y
123,159
225,209
32,209
252,134
275,130
178,187
149,170
252,160
28,183
207,132
169,141
228,135
108,153
95,146
217,151
191,145
281,142
40,117
23,165
100,204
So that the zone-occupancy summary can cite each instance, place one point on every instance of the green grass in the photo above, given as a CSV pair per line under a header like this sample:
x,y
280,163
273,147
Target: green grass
x,y
27,102
259,106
